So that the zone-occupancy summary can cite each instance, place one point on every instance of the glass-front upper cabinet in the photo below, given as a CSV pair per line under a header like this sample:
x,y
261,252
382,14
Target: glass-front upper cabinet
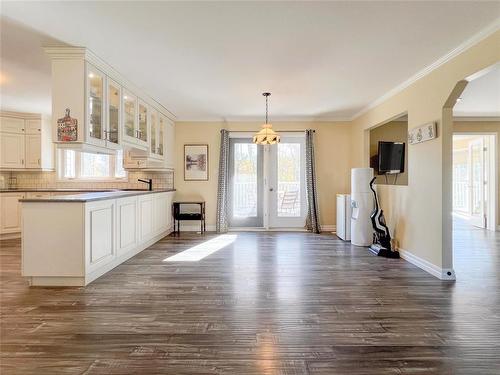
x,y
154,129
129,117
95,105
161,135
114,113
142,132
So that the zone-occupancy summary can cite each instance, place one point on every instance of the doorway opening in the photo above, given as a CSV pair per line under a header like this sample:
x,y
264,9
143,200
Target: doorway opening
x,y
474,179
472,116
267,183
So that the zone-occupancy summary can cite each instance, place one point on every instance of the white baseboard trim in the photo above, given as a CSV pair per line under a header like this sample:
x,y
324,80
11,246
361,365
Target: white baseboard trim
x,y
190,227
329,228
440,273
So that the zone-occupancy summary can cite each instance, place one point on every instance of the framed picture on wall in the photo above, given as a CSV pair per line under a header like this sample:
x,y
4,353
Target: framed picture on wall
x,y
195,162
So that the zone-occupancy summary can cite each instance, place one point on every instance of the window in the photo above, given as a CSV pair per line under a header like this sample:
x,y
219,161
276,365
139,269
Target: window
x,y
75,165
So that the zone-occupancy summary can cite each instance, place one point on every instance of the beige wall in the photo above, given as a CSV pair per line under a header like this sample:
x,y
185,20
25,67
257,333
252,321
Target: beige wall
x,y
420,214
483,127
332,160
393,131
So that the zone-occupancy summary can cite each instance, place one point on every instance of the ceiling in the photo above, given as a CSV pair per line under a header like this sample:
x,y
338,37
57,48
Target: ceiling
x,y
212,60
481,97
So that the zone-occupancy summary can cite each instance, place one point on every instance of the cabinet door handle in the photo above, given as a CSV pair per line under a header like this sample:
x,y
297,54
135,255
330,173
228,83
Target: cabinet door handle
x,y
22,161
39,161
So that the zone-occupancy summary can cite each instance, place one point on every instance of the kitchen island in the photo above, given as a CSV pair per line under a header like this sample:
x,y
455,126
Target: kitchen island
x,y
71,240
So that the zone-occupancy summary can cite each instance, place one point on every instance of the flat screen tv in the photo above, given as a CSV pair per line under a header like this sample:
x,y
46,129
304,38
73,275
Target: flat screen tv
x,y
391,157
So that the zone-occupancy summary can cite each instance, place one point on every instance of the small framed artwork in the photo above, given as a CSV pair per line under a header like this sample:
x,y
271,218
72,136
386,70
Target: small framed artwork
x,y
195,162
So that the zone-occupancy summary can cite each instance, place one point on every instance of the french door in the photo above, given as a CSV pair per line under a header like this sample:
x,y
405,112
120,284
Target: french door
x,y
286,183
246,183
267,183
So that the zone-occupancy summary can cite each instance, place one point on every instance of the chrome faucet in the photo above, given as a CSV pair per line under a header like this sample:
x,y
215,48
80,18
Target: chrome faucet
x,y
149,181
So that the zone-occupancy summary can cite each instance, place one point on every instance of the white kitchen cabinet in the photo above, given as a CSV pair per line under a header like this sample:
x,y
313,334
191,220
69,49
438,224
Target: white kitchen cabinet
x,y
33,152
95,111
126,224
159,213
157,135
10,212
12,153
164,141
154,147
26,143
102,234
33,126
170,145
143,124
108,111
99,233
145,217
114,115
10,124
129,129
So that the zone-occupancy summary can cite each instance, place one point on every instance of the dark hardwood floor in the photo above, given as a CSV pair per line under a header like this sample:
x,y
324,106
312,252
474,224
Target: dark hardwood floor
x,y
269,303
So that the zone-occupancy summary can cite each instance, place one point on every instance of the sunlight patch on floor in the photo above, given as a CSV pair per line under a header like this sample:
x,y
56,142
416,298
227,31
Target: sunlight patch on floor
x,y
203,250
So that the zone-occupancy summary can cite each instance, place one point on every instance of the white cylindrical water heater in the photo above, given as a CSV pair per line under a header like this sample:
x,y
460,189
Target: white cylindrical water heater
x,y
362,206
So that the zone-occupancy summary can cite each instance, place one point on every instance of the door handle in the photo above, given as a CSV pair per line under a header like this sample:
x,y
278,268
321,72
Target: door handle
x,y
271,189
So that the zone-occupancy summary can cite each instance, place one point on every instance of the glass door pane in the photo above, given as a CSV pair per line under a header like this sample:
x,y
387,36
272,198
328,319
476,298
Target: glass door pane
x,y
245,190
476,149
153,145
289,180
95,103
129,112
113,112
143,122
286,190
161,135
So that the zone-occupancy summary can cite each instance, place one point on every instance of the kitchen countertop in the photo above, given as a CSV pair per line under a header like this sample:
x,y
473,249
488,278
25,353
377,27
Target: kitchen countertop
x,y
93,196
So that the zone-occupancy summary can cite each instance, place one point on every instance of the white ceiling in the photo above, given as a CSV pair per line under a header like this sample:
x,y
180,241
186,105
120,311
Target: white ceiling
x,y
212,60
481,97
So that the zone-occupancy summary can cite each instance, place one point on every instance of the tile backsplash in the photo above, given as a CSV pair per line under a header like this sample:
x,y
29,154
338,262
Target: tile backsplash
x,y
48,180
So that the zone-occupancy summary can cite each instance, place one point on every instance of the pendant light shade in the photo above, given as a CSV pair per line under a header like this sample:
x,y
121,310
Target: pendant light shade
x,y
266,136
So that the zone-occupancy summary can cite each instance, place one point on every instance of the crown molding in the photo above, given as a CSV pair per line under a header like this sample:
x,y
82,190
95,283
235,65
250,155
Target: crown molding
x,y
483,34
477,118
83,53
259,119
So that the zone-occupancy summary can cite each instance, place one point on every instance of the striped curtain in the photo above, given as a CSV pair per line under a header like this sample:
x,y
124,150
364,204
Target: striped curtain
x,y
222,190
312,221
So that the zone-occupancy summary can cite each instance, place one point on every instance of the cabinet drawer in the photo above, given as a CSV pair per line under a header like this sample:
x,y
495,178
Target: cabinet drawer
x,y
11,125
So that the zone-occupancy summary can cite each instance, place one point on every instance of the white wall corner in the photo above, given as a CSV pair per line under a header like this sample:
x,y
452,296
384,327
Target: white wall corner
x,y
440,273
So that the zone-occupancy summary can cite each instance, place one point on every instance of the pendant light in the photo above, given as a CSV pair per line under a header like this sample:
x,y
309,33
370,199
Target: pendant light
x,y
266,136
